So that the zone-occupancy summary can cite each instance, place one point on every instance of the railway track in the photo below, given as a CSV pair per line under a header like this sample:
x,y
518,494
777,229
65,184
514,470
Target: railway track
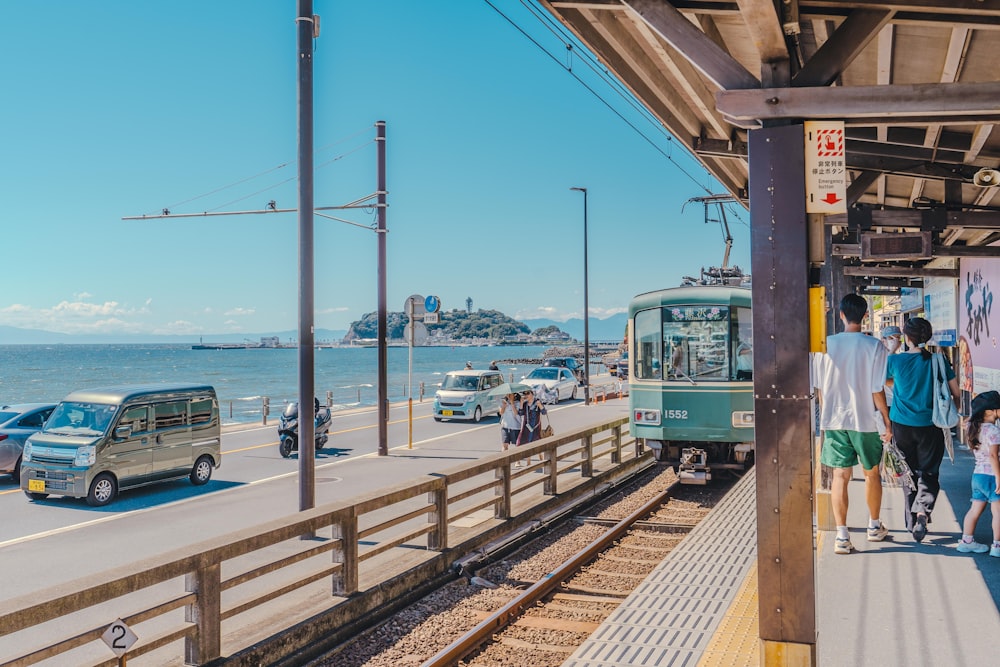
x,y
534,607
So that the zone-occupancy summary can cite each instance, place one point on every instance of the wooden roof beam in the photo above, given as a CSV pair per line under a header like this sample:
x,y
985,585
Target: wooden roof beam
x,y
764,25
899,272
912,218
686,78
628,59
840,50
705,55
947,102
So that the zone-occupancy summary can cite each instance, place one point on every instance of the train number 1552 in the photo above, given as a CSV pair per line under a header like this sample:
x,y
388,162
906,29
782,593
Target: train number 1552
x,y
677,414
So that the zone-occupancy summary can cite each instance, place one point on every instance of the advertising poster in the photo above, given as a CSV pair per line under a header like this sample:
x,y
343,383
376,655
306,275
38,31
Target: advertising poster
x,y
978,326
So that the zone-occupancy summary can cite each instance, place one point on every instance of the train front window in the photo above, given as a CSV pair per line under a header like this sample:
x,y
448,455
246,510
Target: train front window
x,y
742,335
648,329
696,343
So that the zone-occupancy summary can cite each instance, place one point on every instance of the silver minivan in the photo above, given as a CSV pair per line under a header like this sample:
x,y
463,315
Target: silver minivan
x,y
99,441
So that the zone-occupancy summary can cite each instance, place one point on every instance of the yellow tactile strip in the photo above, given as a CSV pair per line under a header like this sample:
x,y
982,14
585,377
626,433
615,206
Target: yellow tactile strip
x,y
736,641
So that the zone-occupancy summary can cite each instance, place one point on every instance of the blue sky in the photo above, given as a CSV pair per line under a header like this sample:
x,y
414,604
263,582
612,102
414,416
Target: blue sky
x,y
118,108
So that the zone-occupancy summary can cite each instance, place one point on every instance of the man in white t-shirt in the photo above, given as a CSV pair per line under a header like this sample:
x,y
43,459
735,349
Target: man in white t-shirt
x,y
854,416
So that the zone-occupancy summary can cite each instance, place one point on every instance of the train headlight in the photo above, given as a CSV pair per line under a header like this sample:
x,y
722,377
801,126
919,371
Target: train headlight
x,y
743,419
646,417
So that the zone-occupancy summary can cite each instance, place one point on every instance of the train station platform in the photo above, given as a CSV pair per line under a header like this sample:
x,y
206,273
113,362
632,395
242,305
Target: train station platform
x,y
896,602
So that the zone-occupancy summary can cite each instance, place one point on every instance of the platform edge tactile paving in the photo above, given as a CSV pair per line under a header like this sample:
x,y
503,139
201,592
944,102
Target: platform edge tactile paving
x,y
670,619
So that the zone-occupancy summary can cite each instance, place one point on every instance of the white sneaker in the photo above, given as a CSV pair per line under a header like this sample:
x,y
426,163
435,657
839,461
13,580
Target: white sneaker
x,y
995,550
974,548
877,534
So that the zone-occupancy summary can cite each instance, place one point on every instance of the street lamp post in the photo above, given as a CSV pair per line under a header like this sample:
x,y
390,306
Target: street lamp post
x,y
586,306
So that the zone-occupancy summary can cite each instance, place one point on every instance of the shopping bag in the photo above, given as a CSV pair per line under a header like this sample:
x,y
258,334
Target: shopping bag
x,y
893,468
547,431
945,413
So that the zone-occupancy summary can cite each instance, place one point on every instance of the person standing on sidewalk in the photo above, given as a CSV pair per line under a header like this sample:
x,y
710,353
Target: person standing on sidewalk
x,y
921,442
510,420
984,440
850,378
892,338
531,419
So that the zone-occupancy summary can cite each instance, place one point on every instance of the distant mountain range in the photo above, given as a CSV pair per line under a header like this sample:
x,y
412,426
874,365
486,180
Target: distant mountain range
x,y
612,328
17,336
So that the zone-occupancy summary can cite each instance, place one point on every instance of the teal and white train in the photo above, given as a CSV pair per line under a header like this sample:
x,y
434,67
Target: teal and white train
x,y
691,378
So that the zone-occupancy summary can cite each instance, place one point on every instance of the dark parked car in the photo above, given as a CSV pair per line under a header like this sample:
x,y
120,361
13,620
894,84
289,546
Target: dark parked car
x,y
17,422
571,363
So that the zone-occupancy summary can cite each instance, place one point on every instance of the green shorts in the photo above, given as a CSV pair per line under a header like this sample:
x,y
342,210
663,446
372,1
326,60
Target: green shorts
x,y
843,449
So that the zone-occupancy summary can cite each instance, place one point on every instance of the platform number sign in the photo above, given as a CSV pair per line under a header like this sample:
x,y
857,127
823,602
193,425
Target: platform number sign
x,y
119,637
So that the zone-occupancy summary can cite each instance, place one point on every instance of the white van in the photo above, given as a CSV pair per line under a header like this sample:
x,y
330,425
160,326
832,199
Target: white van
x,y
99,441
465,395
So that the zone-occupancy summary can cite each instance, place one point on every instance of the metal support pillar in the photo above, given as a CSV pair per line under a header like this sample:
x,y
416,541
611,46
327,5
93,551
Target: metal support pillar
x,y
382,327
307,427
779,241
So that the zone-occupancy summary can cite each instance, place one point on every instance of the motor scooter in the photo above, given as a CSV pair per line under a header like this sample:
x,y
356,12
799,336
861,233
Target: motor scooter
x,y
288,428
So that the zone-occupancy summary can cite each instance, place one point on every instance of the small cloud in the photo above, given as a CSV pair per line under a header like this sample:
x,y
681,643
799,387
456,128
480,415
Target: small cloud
x,y
240,312
179,327
605,313
330,311
543,313
82,295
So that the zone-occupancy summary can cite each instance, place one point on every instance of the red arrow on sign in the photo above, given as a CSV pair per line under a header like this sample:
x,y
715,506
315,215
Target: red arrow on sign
x,y
831,198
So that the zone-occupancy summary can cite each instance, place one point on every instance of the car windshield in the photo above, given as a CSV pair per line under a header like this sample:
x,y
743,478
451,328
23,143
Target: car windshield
x,y
80,418
544,374
460,382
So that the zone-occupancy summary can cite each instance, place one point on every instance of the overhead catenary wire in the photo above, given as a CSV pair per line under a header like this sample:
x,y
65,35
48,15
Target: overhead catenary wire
x,y
270,170
628,97
292,178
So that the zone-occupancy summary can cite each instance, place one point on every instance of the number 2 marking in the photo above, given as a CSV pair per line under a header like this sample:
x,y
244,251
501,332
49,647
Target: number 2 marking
x,y
119,632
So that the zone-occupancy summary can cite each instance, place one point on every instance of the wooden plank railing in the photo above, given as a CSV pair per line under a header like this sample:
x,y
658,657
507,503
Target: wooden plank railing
x,y
372,538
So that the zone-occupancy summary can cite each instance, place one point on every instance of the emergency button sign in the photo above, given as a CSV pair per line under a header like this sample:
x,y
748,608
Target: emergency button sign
x,y
826,167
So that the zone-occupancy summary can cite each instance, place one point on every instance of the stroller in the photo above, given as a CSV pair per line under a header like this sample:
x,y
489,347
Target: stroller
x,y
545,395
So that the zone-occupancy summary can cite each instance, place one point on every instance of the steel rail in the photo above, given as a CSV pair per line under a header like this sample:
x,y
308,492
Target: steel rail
x,y
512,610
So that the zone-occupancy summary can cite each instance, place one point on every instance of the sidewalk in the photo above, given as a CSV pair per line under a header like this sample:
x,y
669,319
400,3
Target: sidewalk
x,y
898,602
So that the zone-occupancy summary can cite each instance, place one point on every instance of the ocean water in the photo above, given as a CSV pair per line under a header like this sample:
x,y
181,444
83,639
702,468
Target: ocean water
x,y
241,377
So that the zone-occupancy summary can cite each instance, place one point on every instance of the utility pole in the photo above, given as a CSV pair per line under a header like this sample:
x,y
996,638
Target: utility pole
x,y
305,28
382,327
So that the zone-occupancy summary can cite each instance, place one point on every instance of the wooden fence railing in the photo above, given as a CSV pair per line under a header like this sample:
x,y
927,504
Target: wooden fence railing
x,y
330,565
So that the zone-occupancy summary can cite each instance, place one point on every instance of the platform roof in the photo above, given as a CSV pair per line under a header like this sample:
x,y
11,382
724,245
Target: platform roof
x,y
916,83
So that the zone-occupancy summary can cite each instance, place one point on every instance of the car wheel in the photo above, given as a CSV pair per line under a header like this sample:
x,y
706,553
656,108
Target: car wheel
x,y
103,490
15,474
286,446
202,471
36,496
477,415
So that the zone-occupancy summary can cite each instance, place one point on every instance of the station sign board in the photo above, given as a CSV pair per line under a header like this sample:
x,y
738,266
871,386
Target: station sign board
x,y
826,167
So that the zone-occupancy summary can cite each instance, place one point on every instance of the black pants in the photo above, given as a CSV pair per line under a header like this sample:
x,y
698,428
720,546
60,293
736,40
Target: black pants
x,y
923,448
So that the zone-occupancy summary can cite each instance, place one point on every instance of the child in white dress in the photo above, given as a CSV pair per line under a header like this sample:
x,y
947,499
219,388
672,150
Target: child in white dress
x,y
984,440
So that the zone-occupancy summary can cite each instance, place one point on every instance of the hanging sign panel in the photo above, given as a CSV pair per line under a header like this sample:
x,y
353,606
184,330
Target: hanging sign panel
x,y
826,167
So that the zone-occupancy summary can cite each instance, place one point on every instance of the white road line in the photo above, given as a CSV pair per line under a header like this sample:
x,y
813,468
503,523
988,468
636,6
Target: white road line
x,y
214,494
